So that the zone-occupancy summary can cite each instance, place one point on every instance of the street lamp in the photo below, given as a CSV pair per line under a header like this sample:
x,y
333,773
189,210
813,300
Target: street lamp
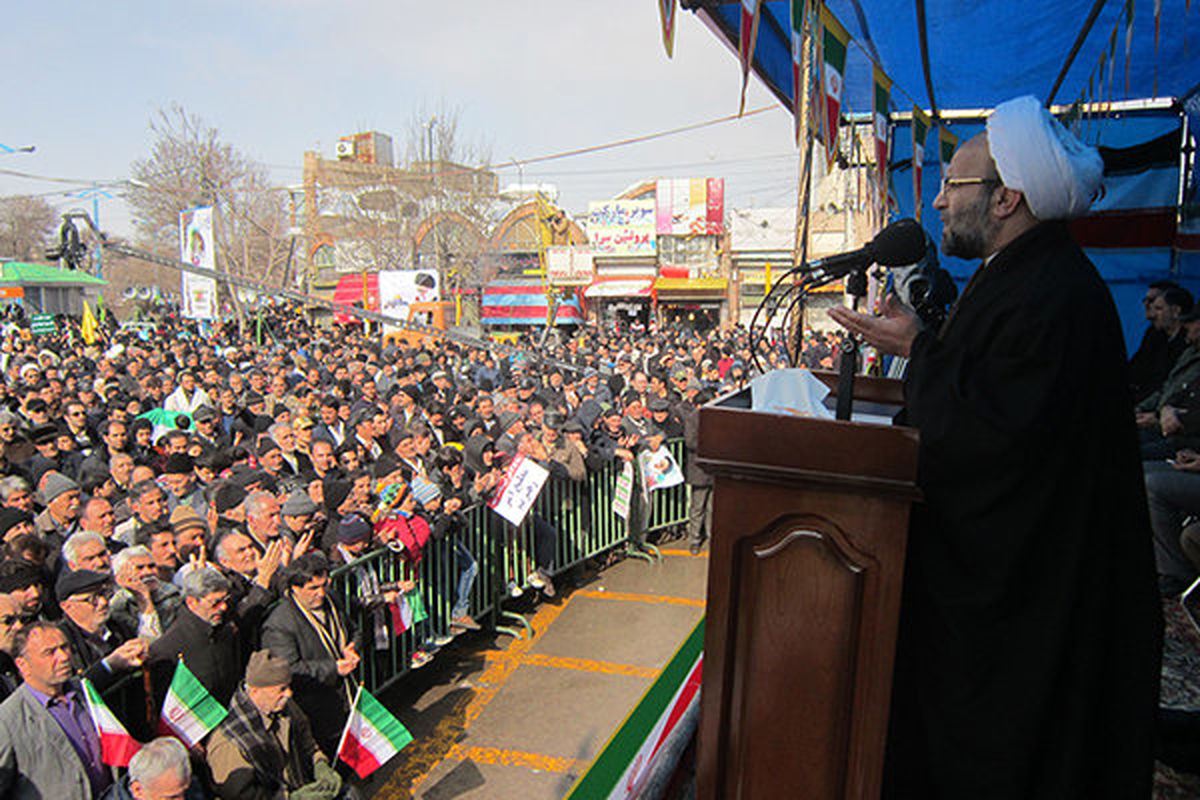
x,y
6,150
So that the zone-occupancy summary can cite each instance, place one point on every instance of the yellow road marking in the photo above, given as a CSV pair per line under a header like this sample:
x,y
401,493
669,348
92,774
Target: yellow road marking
x,y
641,598
685,553
440,746
589,665
515,758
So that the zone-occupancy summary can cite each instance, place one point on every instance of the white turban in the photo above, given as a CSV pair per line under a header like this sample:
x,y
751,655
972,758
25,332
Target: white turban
x,y
1036,155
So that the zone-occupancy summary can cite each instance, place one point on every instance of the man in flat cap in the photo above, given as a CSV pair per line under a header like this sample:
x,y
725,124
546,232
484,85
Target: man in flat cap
x,y
100,647
1028,657
264,748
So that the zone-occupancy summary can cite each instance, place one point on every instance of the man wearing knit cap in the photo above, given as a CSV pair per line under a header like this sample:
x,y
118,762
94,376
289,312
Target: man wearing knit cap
x,y
60,518
353,539
264,748
1030,636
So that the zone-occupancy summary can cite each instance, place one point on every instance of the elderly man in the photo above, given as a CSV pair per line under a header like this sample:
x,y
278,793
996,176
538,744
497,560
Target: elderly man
x,y
201,636
264,748
251,576
142,602
49,746
61,516
1030,637
313,635
161,770
84,550
100,647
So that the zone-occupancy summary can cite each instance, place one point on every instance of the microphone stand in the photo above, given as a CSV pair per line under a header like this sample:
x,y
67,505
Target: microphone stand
x,y
856,287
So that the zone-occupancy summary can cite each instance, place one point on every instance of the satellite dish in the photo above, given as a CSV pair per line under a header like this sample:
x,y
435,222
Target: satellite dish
x,y
129,293
145,293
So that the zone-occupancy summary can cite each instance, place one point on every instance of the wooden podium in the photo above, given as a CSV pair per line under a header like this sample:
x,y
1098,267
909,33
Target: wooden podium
x,y
810,521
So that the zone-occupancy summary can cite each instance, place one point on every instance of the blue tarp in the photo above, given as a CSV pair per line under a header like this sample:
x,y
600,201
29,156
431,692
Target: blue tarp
x,y
988,51
985,51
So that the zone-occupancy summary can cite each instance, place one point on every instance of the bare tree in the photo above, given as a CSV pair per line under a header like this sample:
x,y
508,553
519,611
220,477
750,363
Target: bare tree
x,y
190,165
25,226
460,181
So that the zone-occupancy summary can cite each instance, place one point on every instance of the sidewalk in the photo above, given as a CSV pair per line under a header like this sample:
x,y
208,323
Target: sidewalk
x,y
499,718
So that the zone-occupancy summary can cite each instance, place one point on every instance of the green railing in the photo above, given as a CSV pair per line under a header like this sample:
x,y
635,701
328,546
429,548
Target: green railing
x,y
580,512
585,527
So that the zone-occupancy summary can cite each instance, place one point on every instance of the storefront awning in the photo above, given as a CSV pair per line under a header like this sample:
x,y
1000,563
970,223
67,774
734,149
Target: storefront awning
x,y
628,287
691,285
520,302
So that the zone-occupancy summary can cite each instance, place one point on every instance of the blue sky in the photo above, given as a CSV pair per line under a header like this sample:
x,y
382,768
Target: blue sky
x,y
278,77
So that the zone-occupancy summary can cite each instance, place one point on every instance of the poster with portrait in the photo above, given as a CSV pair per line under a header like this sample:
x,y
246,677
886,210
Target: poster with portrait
x,y
197,246
659,469
400,288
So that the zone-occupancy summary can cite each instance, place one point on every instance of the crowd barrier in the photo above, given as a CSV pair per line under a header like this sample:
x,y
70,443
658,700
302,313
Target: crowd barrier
x,y
584,527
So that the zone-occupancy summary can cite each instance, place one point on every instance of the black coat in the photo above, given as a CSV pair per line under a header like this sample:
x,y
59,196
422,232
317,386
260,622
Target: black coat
x,y
211,654
1030,637
316,686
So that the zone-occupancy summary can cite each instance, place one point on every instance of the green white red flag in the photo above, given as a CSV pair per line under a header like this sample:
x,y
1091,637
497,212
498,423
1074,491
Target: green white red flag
x,y
189,711
747,35
947,141
881,99
920,131
116,745
408,610
372,735
834,41
799,8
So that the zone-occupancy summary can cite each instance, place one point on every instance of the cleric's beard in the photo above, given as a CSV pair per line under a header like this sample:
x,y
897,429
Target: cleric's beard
x,y
969,232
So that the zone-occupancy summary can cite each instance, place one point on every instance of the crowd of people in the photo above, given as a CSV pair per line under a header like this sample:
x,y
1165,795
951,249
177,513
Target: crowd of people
x,y
1165,374
184,496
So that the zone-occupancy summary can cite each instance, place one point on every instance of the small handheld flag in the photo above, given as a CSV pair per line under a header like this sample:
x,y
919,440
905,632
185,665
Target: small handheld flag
x,y
189,711
372,735
116,745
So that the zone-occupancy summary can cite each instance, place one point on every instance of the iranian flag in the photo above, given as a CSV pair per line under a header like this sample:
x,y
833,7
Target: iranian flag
x,y
798,9
189,712
834,41
116,745
372,735
882,98
747,34
920,131
947,142
408,610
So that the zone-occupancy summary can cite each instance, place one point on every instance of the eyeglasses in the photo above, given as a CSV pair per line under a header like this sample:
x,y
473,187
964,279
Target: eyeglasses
x,y
94,599
948,183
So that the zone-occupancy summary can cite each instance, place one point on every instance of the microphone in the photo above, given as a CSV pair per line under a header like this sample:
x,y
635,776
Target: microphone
x,y
897,245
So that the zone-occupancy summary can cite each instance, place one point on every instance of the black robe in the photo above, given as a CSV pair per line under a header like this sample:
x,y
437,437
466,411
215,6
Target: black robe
x,y
1030,639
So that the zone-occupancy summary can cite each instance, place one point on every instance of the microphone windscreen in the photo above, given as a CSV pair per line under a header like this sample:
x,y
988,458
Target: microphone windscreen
x,y
899,244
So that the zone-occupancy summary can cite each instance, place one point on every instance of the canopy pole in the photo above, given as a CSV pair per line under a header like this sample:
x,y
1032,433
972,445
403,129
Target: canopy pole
x,y
1079,40
923,38
804,190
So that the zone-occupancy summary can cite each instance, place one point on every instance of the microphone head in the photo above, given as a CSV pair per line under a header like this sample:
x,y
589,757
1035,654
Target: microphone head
x,y
899,244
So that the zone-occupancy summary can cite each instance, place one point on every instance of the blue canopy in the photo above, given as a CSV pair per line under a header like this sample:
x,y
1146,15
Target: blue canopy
x,y
982,53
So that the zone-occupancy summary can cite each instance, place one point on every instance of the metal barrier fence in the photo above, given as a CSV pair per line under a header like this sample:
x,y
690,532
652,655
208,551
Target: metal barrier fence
x,y
574,522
